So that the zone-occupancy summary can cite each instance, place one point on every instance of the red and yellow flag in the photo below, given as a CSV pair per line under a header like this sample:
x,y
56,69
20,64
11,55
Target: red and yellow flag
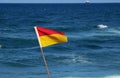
x,y
49,37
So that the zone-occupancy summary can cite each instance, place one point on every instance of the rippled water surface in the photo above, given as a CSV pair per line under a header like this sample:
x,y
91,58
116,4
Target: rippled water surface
x,y
91,52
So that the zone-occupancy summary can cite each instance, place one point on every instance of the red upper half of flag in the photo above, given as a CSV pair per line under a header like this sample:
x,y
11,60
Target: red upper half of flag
x,y
45,31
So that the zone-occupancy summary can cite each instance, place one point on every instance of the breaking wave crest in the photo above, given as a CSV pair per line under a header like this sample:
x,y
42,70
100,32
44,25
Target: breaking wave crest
x,y
68,58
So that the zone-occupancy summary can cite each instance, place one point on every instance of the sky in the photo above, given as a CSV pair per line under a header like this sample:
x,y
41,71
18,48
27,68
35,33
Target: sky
x,y
58,1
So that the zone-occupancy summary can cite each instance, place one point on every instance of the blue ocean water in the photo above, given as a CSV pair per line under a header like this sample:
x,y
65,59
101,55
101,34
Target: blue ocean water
x,y
91,52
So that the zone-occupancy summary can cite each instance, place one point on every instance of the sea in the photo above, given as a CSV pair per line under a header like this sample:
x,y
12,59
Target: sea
x,y
92,50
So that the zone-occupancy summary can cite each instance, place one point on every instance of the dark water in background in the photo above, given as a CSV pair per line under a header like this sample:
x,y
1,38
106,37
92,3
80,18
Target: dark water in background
x,y
90,53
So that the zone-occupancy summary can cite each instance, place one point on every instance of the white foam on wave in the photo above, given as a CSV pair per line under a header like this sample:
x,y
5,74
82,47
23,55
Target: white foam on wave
x,y
81,77
113,76
71,77
0,46
73,58
114,31
101,26
77,59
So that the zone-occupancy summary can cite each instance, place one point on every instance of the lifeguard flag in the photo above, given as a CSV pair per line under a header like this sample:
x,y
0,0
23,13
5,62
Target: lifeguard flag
x,y
47,37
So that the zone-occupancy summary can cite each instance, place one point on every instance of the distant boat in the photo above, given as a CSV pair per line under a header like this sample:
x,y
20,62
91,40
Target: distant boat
x,y
87,1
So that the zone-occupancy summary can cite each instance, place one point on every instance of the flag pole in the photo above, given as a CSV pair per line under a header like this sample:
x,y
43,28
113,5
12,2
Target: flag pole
x,y
43,56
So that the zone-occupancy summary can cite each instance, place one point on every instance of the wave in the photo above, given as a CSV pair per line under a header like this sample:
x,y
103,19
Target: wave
x,y
115,31
96,33
98,39
42,22
101,26
13,29
77,59
16,64
68,58
29,58
19,48
91,46
71,77
8,43
20,62
0,46
98,36
113,76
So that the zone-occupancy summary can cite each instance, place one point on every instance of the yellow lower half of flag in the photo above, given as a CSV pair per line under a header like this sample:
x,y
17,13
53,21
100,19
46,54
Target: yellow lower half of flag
x,y
47,40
